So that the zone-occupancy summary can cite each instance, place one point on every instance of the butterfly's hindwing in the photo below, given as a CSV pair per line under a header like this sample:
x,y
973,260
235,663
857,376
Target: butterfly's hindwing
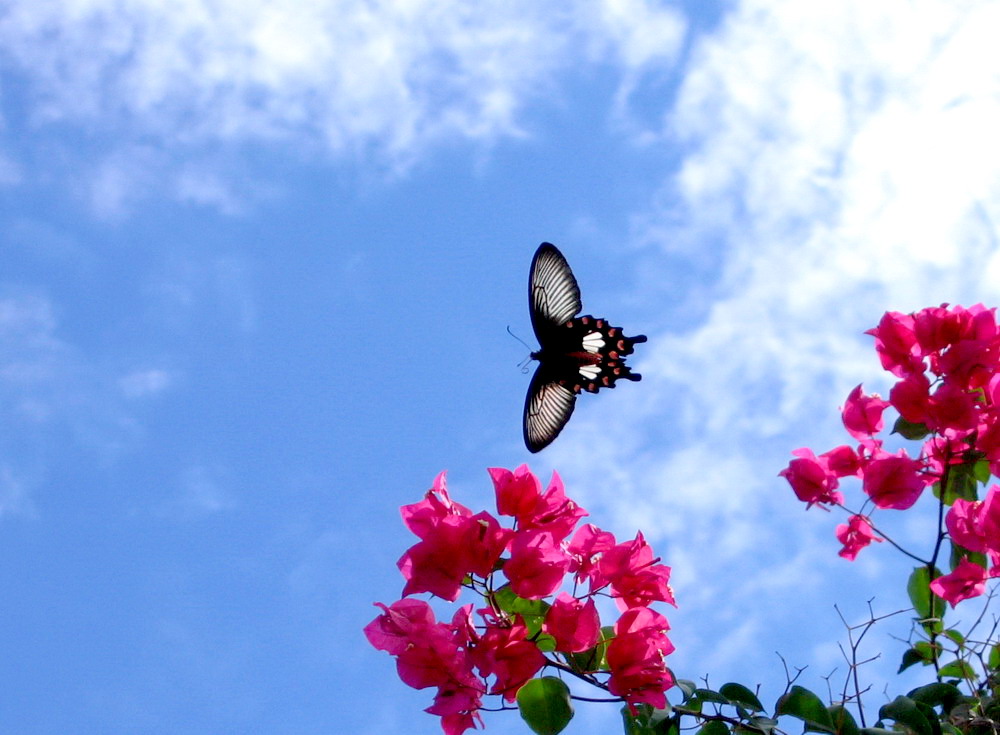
x,y
547,408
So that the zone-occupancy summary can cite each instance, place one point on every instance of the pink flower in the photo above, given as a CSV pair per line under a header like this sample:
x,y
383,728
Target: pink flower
x,y
392,630
585,550
968,580
507,653
519,495
964,525
842,461
454,546
862,415
893,480
635,657
811,479
421,517
517,492
951,407
855,535
896,344
431,654
911,397
574,624
634,578
989,519
537,564
553,512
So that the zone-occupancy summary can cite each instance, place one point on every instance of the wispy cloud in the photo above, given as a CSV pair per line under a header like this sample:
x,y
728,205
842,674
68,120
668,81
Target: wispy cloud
x,y
378,81
840,160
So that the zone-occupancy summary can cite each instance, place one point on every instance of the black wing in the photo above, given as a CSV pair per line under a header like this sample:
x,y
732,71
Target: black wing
x,y
553,294
547,408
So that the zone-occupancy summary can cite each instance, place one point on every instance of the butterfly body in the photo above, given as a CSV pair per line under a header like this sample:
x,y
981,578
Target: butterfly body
x,y
578,353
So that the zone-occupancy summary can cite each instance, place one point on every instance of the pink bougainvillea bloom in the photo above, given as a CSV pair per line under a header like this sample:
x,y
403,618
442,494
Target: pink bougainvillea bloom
x,y
505,652
391,631
585,550
988,436
970,363
964,524
451,549
842,461
636,581
554,512
811,479
951,407
421,517
911,397
537,564
573,623
937,328
517,492
862,414
635,657
989,519
896,344
855,535
968,580
893,480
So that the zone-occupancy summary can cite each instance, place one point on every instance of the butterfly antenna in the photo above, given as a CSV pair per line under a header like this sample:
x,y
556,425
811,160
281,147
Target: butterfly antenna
x,y
518,339
523,365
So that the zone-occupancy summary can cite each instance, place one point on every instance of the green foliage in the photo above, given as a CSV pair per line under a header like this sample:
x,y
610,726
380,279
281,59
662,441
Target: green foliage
x,y
594,659
910,430
803,704
545,705
533,611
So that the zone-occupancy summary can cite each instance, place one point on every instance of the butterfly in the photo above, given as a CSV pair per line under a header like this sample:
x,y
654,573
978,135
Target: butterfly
x,y
576,353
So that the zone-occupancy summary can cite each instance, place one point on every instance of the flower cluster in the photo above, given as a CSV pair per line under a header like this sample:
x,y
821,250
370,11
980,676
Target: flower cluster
x,y
520,633
947,361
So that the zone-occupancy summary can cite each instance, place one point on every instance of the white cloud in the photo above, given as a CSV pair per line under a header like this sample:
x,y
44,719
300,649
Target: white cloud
x,y
380,80
142,383
840,160
203,491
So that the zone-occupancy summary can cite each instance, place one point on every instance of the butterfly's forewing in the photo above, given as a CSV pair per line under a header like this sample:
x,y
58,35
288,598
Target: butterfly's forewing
x,y
554,296
547,408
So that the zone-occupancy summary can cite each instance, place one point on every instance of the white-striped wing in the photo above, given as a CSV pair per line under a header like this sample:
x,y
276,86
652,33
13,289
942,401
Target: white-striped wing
x,y
546,410
553,294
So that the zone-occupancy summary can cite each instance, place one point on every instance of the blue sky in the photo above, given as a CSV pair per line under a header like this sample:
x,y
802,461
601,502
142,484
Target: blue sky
x,y
256,264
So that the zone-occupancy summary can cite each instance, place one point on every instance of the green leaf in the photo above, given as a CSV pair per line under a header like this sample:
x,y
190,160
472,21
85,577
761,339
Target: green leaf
x,y
911,656
533,611
957,669
687,688
955,636
904,711
938,693
649,721
877,731
994,658
701,696
961,483
801,703
714,727
593,659
910,430
981,471
740,695
918,587
545,705
843,721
